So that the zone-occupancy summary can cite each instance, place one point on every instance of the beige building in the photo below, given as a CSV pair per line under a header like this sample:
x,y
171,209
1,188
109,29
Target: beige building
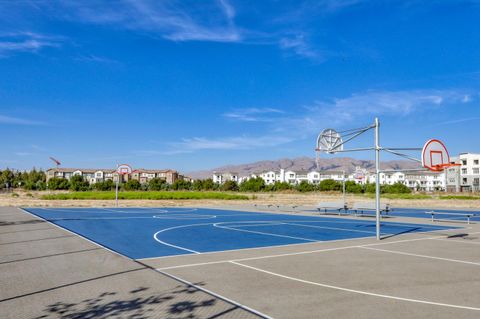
x,y
95,175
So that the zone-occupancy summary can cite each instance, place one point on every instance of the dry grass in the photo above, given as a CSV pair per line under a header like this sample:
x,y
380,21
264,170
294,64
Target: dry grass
x,y
30,199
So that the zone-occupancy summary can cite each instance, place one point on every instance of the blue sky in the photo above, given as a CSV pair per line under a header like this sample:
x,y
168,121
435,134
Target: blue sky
x,y
197,84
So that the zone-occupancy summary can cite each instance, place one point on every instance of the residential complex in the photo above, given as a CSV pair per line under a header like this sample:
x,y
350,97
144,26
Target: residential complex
x,y
422,181
463,176
99,175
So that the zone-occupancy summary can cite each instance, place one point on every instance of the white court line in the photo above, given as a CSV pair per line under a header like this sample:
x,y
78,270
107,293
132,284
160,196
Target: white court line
x,y
262,233
317,241
215,295
459,241
298,253
336,228
356,291
77,234
177,227
422,256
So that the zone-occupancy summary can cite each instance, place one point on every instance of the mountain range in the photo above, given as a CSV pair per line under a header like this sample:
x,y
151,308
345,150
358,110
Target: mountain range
x,y
304,164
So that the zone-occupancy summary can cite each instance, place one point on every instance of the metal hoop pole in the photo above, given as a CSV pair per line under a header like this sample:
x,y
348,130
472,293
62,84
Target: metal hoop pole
x,y
116,188
377,182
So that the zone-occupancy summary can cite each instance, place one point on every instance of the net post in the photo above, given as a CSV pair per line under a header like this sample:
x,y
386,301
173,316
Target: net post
x,y
377,182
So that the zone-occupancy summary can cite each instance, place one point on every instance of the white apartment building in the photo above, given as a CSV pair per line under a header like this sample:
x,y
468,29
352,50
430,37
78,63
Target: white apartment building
x,y
222,177
467,175
420,181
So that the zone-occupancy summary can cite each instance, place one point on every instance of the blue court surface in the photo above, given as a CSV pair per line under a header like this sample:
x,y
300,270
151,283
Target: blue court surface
x,y
157,232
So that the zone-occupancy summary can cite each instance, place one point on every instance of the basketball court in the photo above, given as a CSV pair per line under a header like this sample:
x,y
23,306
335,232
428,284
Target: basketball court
x,y
268,264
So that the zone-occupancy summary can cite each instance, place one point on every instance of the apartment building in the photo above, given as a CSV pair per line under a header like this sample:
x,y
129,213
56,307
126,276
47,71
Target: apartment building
x,y
220,178
95,175
467,175
420,181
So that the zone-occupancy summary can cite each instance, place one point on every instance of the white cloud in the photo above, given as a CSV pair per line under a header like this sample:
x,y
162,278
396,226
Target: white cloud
x,y
173,20
18,121
254,114
25,42
387,103
298,44
189,145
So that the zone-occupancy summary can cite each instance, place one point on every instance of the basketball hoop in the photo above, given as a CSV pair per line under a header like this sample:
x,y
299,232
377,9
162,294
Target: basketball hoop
x,y
329,141
124,169
435,156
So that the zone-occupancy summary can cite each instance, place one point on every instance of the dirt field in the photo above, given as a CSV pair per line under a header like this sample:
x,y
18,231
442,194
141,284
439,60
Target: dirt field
x,y
32,199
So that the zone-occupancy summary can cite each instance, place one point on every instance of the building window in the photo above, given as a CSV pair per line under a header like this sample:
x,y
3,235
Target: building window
x,y
476,170
464,171
476,181
464,180
464,162
475,162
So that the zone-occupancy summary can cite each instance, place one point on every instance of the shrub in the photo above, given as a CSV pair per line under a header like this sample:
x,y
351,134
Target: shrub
x,y
78,183
132,185
329,185
253,185
352,187
56,183
231,186
209,185
107,185
305,186
157,184
280,186
397,188
181,185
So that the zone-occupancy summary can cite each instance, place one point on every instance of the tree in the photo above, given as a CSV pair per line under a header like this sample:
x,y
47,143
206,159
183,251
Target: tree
x,y
279,186
329,185
209,185
397,188
107,185
56,183
181,185
352,187
305,186
132,185
7,178
157,184
231,186
253,185
78,183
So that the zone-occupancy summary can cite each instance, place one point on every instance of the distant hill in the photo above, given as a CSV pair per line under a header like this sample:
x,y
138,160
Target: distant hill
x,y
303,164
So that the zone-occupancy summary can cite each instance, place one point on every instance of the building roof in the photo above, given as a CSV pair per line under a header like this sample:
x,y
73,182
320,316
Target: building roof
x,y
83,170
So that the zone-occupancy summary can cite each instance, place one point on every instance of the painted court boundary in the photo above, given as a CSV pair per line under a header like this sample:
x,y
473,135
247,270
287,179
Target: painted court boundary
x,y
367,246
230,301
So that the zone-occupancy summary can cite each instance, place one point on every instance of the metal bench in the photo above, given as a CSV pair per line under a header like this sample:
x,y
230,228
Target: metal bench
x,y
369,207
338,206
467,215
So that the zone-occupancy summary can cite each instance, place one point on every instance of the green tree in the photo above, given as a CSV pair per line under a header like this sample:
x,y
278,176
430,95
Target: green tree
x,y
157,184
78,183
209,185
329,185
279,186
107,185
197,185
181,185
397,188
6,178
231,186
305,186
253,185
132,185
56,183
352,187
